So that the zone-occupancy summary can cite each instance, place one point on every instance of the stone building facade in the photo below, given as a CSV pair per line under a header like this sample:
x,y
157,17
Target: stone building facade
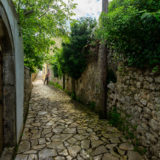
x,y
11,76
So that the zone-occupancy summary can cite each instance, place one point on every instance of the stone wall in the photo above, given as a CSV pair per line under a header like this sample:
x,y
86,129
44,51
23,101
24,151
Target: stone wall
x,y
33,76
136,94
27,90
87,87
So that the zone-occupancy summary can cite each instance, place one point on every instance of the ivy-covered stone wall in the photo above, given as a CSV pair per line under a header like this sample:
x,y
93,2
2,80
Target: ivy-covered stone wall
x,y
136,95
87,87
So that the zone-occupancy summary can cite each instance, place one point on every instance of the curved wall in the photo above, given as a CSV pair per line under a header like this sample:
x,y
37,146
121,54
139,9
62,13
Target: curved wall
x,y
13,74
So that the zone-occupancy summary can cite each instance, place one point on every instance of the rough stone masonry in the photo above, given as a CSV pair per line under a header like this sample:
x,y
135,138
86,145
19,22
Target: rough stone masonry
x,y
137,94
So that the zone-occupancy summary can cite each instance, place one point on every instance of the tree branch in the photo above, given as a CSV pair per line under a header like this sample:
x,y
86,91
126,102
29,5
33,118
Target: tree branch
x,y
45,11
27,13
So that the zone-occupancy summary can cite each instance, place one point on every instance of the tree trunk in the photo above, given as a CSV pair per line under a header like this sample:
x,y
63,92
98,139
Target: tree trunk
x,y
103,53
105,6
102,61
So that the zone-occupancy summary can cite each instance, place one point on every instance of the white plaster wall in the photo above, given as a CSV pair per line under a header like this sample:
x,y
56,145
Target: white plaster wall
x,y
19,64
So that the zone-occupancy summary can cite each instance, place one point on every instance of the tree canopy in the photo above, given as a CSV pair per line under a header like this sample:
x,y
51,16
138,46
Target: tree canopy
x,y
132,29
40,21
72,58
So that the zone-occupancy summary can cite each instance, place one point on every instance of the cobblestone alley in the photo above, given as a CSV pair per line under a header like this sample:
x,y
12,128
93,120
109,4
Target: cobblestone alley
x,y
58,129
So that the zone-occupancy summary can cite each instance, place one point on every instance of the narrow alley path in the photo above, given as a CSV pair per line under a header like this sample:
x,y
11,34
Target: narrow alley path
x,y
57,129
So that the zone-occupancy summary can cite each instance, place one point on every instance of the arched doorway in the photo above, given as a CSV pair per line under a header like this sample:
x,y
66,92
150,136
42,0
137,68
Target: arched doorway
x,y
1,102
7,85
11,77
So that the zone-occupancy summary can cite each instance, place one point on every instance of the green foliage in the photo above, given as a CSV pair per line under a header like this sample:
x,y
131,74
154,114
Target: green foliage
x,y
150,5
132,29
92,105
73,96
56,85
115,118
41,21
55,62
140,149
55,70
74,53
155,69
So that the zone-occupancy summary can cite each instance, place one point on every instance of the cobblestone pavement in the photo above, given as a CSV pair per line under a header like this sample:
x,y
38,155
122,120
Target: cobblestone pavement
x,y
57,129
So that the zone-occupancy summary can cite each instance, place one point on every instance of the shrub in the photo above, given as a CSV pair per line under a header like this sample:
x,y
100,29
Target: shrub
x,y
115,118
55,63
74,53
55,70
132,29
56,85
149,5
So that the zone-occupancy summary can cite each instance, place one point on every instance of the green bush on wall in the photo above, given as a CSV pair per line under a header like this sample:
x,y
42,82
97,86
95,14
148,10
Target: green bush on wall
x,y
132,29
75,52
55,70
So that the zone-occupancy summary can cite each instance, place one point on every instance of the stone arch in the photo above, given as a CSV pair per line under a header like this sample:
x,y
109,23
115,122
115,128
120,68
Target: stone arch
x,y
7,83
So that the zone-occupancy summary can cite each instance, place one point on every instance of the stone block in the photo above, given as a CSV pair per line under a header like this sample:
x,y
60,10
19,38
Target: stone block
x,y
157,79
154,125
149,79
8,70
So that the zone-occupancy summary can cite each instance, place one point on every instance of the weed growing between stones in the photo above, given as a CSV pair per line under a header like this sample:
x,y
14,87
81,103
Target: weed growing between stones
x,y
155,69
56,85
116,120
73,96
91,105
